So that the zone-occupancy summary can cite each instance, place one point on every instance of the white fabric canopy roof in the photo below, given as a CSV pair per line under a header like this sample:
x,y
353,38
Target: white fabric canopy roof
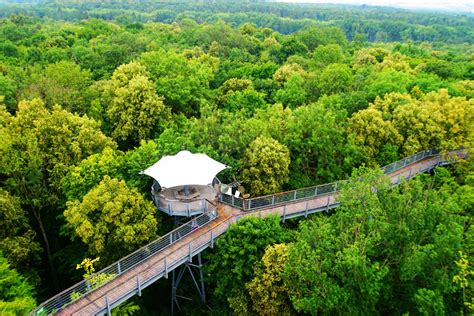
x,y
185,168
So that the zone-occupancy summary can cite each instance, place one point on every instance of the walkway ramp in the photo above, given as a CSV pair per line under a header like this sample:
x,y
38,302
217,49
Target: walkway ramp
x,y
131,274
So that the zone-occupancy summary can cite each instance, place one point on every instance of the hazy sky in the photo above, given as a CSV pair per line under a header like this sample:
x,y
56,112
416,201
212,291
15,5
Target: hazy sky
x,y
450,5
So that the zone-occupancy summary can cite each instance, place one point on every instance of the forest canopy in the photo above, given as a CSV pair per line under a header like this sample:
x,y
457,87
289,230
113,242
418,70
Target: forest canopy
x,y
288,96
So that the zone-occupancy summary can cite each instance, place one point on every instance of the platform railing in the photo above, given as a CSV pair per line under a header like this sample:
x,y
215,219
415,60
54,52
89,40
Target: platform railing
x,y
77,291
330,188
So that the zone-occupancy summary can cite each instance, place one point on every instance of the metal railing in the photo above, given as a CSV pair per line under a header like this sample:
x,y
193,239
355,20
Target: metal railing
x,y
77,291
180,208
329,188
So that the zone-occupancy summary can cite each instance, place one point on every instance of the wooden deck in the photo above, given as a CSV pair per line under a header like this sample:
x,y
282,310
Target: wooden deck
x,y
131,282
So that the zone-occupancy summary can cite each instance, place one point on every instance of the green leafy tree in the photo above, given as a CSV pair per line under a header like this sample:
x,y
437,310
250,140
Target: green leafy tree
x,y
183,82
111,219
437,120
237,253
17,239
388,81
321,149
62,83
16,295
335,78
329,274
39,147
265,166
325,55
135,110
84,176
293,93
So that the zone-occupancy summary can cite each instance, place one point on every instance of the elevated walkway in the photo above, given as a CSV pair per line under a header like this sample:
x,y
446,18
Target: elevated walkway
x,y
130,275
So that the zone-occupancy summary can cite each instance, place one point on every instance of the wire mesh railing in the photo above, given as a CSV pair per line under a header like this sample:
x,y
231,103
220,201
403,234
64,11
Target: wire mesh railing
x,y
330,188
116,269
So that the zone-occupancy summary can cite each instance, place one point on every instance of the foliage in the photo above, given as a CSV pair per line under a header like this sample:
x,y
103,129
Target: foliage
x,y
17,239
84,176
111,219
268,293
265,169
238,252
465,281
134,108
95,280
321,150
62,83
385,250
183,82
437,120
328,88
16,295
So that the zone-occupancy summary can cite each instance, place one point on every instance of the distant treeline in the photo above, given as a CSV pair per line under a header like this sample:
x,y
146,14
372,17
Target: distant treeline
x,y
377,23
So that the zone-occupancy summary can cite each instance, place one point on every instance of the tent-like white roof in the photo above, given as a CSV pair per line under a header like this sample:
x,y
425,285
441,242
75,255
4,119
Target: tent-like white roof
x,y
185,168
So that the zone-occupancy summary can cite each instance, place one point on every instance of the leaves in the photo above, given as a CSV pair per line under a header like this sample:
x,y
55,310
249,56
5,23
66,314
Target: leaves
x,y
265,168
112,219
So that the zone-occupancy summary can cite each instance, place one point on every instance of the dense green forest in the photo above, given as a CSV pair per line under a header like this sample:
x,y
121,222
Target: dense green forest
x,y
92,93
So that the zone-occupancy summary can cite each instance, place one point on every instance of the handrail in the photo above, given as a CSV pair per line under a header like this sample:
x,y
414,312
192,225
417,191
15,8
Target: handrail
x,y
111,272
323,189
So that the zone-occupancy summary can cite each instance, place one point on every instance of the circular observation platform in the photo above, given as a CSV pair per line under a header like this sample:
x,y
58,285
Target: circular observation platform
x,y
185,200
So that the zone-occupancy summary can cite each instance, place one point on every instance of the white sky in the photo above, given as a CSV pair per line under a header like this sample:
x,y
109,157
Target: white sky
x,y
449,5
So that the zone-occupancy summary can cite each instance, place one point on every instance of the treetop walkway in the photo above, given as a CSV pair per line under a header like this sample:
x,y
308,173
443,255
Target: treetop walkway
x,y
113,285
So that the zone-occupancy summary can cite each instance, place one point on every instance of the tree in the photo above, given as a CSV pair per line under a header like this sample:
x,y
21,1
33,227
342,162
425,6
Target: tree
x,y
183,82
62,83
373,133
285,72
437,120
135,110
111,219
335,78
16,295
386,250
330,274
237,253
39,147
17,240
265,167
321,149
268,292
325,55
387,81
293,93
87,174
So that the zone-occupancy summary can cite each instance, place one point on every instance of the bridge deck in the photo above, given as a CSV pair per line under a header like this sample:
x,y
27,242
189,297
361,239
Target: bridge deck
x,y
131,282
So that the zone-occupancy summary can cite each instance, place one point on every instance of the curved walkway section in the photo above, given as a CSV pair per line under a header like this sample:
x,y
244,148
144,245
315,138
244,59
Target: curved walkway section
x,y
113,285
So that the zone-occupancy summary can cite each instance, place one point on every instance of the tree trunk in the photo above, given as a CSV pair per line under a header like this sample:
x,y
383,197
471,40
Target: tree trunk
x,y
37,215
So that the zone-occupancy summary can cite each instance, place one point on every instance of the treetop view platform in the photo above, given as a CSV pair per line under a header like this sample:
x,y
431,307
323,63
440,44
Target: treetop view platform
x,y
185,183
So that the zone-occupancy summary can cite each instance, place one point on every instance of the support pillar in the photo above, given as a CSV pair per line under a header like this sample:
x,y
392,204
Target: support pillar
x,y
195,269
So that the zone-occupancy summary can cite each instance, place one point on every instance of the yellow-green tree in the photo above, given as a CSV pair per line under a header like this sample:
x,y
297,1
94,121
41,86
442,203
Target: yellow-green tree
x,y
373,132
435,120
134,109
111,219
38,147
17,240
265,166
268,292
